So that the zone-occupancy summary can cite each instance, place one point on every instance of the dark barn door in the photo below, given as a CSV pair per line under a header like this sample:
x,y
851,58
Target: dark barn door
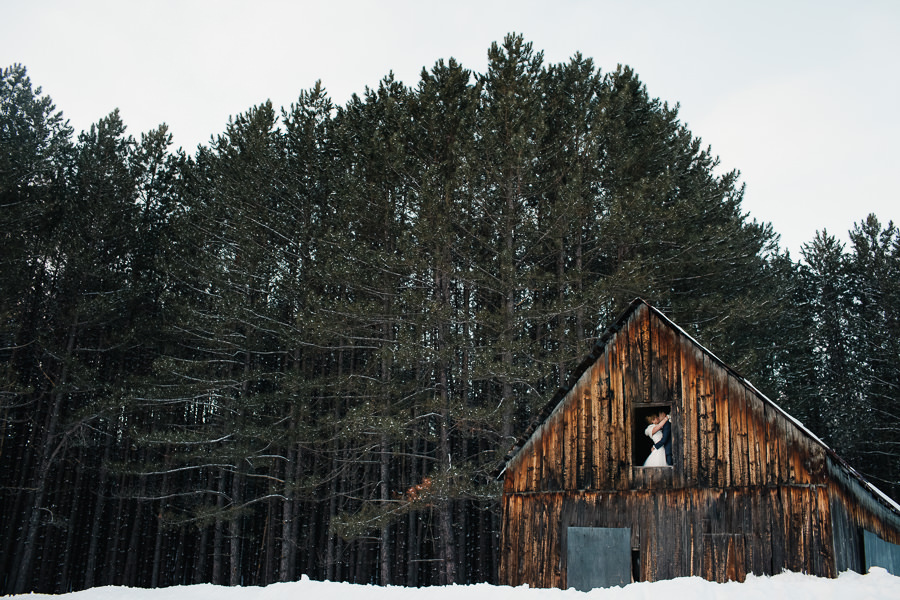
x,y
597,557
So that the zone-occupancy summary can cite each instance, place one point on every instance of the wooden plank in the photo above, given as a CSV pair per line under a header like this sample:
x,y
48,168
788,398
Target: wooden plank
x,y
673,533
567,439
824,552
689,413
576,415
793,474
781,434
645,349
635,372
736,569
505,548
782,541
533,461
658,361
773,447
572,420
738,434
537,455
625,350
632,337
741,456
797,508
723,425
615,392
593,452
514,522
745,526
543,549
623,455
759,552
544,467
696,554
557,456
806,500
554,562
708,472
514,472
601,401
679,414
752,419
528,538
616,478
585,437
771,452
707,565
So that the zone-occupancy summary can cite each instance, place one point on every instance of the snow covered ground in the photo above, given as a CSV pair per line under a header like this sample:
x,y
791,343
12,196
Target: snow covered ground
x,y
878,583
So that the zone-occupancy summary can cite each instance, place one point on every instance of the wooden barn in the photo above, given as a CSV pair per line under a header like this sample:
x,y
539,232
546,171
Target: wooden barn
x,y
750,490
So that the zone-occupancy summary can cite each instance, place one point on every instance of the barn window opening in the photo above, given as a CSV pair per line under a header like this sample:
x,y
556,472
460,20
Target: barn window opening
x,y
642,445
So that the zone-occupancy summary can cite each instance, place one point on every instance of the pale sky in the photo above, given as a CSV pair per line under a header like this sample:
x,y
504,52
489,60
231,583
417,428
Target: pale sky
x,y
800,96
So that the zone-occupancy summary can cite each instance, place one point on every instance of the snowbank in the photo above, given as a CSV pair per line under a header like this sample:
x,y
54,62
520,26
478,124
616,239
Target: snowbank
x,y
877,584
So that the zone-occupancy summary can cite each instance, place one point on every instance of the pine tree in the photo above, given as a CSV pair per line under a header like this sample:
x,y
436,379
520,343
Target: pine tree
x,y
302,295
510,127
566,220
370,273
444,112
673,232
874,275
35,152
834,365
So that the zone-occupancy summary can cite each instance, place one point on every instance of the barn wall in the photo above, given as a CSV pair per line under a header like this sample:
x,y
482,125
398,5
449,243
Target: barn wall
x,y
854,510
750,490
715,534
725,435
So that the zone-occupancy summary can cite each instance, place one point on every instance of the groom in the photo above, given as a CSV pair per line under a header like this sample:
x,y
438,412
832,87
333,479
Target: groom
x,y
666,437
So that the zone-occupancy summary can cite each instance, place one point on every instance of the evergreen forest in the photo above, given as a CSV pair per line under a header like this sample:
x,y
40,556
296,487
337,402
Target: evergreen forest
x,y
306,348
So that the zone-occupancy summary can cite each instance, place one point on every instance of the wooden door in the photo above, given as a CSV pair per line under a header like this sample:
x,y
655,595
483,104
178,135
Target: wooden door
x,y
597,557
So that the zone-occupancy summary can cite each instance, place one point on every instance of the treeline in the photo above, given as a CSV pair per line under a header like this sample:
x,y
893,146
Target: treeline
x,y
306,348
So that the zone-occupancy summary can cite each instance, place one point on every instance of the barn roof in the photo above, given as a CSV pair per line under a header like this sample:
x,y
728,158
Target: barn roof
x,y
599,348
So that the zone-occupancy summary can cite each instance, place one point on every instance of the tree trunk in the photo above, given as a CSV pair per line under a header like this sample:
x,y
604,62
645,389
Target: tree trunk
x,y
97,518
48,454
64,583
288,541
219,533
160,532
445,503
134,550
384,555
111,566
234,527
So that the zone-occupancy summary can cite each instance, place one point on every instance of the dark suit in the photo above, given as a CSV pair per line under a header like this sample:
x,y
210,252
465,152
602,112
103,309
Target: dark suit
x,y
666,441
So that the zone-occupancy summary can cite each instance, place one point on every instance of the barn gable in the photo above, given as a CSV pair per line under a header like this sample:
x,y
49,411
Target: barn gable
x,y
750,489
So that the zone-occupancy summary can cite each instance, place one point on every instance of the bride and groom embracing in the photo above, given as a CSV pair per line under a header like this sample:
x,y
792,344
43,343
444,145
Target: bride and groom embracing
x,y
659,430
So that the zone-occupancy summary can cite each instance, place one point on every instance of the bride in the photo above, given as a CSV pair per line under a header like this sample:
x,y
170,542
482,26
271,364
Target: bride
x,y
657,456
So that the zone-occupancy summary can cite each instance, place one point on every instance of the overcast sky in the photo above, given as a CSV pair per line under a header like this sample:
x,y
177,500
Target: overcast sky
x,y
801,97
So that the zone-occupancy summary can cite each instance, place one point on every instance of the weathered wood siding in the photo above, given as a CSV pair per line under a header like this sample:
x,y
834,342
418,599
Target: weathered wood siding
x,y
716,534
724,434
749,491
854,509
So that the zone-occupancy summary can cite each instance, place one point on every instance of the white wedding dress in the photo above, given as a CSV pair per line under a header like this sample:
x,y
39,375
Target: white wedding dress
x,y
657,456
